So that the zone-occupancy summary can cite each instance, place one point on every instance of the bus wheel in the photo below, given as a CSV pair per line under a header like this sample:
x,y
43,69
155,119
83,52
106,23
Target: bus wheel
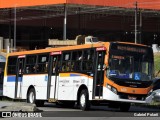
x,y
124,107
84,100
31,96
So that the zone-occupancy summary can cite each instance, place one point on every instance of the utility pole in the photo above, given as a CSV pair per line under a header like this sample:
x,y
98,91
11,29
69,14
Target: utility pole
x,y
65,22
15,28
10,10
136,22
140,26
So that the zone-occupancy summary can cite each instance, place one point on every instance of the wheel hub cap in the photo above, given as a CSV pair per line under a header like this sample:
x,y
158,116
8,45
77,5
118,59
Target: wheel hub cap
x,y
82,100
31,97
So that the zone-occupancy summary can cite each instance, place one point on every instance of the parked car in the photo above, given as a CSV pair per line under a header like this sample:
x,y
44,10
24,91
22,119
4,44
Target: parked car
x,y
156,90
156,95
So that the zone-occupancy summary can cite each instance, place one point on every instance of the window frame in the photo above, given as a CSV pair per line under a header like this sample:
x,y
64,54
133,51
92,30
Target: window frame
x,y
45,64
73,60
30,65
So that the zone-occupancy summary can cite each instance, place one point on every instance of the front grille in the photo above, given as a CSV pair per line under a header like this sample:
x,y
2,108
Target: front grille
x,y
132,96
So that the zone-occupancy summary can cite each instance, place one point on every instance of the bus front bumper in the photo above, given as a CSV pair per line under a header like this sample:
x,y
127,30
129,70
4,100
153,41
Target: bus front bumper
x,y
111,96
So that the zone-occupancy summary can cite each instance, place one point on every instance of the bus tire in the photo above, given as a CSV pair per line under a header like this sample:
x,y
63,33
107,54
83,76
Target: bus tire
x,y
31,96
124,107
84,100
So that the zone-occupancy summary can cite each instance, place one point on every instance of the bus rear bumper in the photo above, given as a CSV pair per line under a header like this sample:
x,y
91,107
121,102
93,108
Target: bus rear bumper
x,y
111,96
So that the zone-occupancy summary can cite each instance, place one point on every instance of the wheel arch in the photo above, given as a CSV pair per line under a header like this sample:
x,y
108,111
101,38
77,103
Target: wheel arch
x,y
82,87
30,87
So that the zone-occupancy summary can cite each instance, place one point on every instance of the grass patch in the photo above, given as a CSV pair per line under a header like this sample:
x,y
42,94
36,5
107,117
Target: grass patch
x,y
157,64
153,104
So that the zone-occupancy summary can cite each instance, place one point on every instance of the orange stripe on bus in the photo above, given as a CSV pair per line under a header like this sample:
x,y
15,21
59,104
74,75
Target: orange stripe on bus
x,y
100,44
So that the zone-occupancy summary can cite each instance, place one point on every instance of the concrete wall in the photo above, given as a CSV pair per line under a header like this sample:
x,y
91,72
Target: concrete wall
x,y
6,43
1,43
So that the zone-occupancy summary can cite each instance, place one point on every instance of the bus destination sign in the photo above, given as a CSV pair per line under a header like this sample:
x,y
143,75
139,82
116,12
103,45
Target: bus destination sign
x,y
131,49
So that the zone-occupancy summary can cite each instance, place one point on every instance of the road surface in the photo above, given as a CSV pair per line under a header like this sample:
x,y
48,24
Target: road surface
x,y
52,111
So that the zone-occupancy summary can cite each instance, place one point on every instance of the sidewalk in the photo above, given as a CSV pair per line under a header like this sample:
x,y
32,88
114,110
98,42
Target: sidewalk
x,y
17,106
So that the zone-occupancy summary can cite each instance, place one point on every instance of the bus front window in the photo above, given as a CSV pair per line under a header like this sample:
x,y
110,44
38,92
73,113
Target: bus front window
x,y
121,66
129,67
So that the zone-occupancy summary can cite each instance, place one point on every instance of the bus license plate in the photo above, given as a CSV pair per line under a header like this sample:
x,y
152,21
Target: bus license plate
x,y
132,98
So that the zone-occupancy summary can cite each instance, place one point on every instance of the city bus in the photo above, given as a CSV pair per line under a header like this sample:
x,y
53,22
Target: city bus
x,y
112,73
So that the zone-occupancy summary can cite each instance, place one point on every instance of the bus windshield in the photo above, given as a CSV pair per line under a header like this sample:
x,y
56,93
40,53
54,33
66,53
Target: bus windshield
x,y
131,65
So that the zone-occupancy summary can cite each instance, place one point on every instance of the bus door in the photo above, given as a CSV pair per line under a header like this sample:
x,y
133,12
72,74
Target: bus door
x,y
19,76
53,75
98,77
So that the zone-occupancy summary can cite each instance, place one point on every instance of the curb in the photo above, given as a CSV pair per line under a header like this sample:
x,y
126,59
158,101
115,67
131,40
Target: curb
x,y
19,106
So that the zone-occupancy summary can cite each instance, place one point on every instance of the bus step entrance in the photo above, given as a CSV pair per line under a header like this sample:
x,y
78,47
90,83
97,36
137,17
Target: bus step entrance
x,y
98,91
50,100
99,75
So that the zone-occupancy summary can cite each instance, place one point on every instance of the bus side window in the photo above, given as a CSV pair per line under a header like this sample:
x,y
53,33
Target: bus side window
x,y
77,66
69,66
46,67
11,66
90,60
72,66
54,67
27,69
20,68
66,67
66,61
63,67
35,68
87,63
42,65
30,62
76,61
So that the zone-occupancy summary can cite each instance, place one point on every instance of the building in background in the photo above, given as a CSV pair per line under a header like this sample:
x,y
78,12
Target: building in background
x,y
38,21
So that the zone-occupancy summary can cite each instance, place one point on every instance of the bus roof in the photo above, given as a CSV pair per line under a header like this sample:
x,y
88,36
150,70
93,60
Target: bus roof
x,y
76,47
132,43
100,44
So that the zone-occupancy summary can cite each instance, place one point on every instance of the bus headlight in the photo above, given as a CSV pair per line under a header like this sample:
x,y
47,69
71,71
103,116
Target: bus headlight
x,y
108,86
150,92
113,89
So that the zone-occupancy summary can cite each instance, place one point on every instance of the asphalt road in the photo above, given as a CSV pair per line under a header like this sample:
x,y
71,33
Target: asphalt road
x,y
54,107
52,111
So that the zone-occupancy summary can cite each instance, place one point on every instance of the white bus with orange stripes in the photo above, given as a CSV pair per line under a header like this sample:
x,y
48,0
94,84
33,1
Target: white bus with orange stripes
x,y
116,73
